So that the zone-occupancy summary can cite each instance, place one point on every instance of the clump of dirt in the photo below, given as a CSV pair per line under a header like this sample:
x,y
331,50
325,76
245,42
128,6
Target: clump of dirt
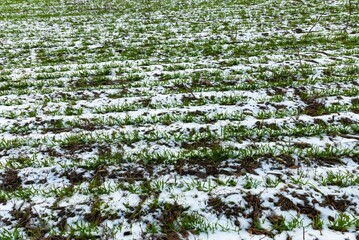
x,y
74,177
314,108
10,180
355,101
339,205
248,165
199,168
346,121
254,202
220,207
285,204
310,211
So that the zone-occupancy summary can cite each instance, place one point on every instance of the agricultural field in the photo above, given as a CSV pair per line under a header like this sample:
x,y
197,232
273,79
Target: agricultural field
x,y
176,119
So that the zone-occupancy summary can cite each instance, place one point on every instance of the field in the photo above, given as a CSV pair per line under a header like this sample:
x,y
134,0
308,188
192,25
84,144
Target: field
x,y
175,119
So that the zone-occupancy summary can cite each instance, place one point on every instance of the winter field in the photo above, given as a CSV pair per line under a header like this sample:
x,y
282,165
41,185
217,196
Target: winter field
x,y
174,119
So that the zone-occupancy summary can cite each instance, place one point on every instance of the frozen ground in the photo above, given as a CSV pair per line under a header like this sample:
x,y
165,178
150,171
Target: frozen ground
x,y
177,119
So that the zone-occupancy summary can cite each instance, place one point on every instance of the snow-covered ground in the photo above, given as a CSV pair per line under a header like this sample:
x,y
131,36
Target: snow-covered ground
x,y
179,119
